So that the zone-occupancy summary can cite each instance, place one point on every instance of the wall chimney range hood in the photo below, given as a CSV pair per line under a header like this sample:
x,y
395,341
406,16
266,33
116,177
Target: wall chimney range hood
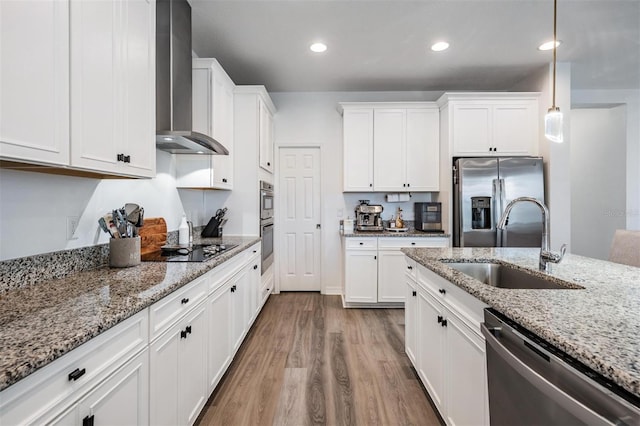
x,y
173,83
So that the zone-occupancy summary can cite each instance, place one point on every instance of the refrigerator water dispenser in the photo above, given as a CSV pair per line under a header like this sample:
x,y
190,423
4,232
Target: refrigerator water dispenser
x,y
480,212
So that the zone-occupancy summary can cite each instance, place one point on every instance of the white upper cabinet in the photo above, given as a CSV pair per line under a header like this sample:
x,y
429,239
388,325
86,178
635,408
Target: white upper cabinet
x,y
213,116
358,149
494,124
34,81
113,87
266,138
391,147
83,94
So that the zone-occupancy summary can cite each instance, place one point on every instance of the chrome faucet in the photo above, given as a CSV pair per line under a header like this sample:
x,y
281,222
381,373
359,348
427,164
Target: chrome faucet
x,y
546,255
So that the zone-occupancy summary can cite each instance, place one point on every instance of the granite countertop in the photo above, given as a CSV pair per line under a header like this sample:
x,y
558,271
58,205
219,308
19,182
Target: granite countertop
x,y
40,323
599,325
410,233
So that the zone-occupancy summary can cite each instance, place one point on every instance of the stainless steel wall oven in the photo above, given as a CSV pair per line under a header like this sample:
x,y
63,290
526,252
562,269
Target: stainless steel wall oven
x,y
266,224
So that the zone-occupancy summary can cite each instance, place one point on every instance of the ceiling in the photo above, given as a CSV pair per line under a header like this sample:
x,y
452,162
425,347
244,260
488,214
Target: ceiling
x,y
384,45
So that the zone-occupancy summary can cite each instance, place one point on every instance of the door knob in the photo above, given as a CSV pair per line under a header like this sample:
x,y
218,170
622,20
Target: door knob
x,y
318,226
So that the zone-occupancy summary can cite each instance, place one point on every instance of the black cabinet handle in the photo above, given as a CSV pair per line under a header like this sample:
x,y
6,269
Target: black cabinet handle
x,y
409,267
183,334
443,323
440,318
375,257
408,185
255,251
184,301
76,374
127,159
370,185
255,266
361,243
188,329
413,244
88,421
442,291
224,180
414,293
268,163
404,185
120,157
233,288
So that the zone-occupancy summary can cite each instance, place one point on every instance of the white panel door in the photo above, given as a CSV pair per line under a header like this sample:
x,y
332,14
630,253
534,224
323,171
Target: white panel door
x,y
299,190
389,150
34,80
423,149
358,150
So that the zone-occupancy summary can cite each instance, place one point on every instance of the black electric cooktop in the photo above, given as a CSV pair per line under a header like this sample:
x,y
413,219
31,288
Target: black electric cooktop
x,y
197,253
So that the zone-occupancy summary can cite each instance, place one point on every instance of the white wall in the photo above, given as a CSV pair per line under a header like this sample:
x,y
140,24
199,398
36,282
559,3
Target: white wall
x,y
312,119
631,100
598,179
34,207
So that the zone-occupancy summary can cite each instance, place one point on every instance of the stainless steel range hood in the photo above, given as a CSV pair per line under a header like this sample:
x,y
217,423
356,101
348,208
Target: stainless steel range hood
x,y
173,83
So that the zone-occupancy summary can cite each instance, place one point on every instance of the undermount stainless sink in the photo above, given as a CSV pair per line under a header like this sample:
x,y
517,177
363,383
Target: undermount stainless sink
x,y
502,276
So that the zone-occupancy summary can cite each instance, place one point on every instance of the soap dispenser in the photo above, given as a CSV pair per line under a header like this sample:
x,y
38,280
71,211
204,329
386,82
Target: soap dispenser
x,y
183,232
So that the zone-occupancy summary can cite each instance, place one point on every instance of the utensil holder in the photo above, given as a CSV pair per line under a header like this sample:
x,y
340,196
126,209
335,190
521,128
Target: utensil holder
x,y
124,252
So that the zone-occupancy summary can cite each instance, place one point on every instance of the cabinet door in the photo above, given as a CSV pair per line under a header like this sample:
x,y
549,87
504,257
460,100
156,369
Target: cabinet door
x,y
266,139
192,378
515,129
466,401
423,150
96,96
254,289
430,346
219,353
471,128
410,319
137,81
389,150
194,171
239,309
358,150
391,267
34,81
361,276
223,127
123,399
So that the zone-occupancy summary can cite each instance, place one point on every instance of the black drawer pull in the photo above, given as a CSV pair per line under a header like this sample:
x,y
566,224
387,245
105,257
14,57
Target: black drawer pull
x,y
255,266
413,244
183,334
440,318
444,323
233,288
76,374
442,291
414,293
120,157
409,267
361,243
127,159
188,329
224,180
88,421
185,301
268,163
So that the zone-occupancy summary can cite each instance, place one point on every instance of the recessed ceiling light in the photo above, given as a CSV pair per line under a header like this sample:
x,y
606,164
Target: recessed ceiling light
x,y
166,138
318,47
440,46
549,45
200,152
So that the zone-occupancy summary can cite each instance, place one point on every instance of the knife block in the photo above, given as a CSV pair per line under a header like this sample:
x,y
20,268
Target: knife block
x,y
212,230
124,252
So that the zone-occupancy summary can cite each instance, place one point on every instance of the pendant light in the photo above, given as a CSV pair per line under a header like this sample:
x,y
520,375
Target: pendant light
x,y
553,119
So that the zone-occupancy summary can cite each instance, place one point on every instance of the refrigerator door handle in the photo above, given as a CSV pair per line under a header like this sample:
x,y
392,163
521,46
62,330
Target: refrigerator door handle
x,y
494,204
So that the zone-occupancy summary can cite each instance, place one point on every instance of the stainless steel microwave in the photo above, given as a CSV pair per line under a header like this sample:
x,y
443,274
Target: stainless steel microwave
x,y
266,200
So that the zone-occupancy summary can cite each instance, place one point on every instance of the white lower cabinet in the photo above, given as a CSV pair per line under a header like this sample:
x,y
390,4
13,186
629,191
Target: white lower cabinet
x,y
178,364
239,308
219,345
391,265
447,348
361,276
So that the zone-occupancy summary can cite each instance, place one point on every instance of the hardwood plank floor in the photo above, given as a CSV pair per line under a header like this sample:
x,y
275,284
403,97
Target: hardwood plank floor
x,y
308,361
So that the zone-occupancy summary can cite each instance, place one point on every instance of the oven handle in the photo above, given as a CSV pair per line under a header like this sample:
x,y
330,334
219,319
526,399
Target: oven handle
x,y
267,225
563,399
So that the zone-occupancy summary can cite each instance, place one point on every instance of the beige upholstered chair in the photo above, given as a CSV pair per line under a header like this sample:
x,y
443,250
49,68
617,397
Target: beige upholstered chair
x,y
626,247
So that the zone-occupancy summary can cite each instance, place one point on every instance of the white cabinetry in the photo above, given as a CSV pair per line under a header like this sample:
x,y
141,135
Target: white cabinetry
x,y
390,147
105,370
84,93
34,81
374,267
410,311
113,87
448,348
213,116
492,124
266,137
219,345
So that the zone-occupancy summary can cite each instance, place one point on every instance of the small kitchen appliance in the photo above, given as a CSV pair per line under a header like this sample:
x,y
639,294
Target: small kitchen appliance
x,y
368,216
195,253
428,217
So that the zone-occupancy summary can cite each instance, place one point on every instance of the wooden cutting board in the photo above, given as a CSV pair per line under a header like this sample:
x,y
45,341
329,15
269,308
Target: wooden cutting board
x,y
153,234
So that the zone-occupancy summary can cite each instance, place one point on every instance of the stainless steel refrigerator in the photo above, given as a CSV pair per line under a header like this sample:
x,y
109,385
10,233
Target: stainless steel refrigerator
x,y
482,189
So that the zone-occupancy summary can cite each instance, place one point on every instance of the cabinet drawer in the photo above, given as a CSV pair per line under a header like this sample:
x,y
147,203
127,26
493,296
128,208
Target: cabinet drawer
x,y
407,242
53,387
223,273
362,243
165,312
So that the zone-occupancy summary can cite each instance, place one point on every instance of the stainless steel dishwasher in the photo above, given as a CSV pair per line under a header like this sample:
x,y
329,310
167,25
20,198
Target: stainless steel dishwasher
x,y
533,383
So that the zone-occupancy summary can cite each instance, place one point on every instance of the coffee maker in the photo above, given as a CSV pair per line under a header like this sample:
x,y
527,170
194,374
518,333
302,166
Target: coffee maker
x,y
428,217
368,216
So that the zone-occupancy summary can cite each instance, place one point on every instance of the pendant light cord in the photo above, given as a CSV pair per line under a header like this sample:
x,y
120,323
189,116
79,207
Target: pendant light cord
x,y
555,47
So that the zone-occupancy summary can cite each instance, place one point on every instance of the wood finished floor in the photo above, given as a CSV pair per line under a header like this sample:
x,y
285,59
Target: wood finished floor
x,y
308,361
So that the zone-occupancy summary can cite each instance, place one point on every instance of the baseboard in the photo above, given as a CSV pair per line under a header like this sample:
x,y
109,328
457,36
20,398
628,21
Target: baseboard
x,y
332,291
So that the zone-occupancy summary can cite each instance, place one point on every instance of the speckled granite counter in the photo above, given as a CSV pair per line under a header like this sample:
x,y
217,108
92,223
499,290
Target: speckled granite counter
x,y
598,325
410,233
40,323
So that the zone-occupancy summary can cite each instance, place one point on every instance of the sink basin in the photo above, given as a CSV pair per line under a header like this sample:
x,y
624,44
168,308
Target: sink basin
x,y
498,275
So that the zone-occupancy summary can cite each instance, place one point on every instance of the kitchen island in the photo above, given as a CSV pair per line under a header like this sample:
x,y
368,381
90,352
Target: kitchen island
x,y
40,323
595,319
